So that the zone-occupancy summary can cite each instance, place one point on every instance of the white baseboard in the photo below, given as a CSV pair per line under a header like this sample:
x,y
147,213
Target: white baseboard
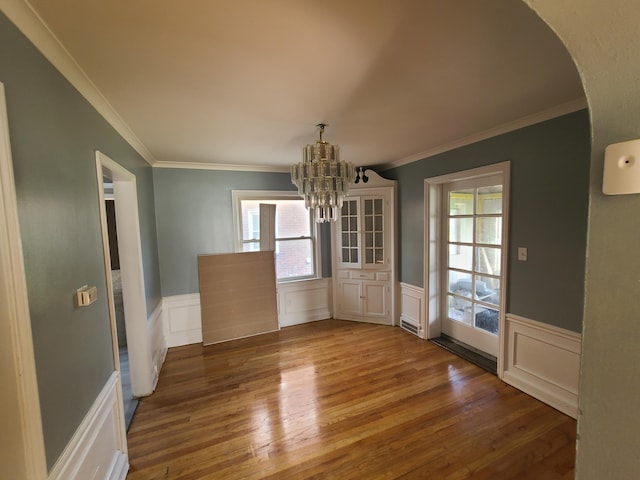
x,y
543,361
98,449
303,302
181,319
412,307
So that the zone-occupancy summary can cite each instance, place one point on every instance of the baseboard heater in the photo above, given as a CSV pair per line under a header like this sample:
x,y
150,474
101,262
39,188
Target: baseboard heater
x,y
410,327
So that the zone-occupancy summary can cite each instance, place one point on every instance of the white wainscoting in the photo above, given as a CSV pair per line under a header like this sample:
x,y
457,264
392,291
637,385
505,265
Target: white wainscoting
x,y
543,361
157,342
303,302
98,449
298,302
412,308
181,319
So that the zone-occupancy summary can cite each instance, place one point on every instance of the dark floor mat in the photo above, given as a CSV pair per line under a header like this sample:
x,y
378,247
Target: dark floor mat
x,y
482,360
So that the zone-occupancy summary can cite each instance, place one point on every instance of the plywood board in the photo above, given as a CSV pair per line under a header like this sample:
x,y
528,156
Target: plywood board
x,y
237,295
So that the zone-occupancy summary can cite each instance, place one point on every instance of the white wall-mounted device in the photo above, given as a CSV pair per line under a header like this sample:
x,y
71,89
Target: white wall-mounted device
x,y
86,296
622,168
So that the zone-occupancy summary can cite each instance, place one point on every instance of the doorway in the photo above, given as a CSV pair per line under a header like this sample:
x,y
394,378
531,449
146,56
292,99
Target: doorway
x,y
130,402
465,258
137,380
472,259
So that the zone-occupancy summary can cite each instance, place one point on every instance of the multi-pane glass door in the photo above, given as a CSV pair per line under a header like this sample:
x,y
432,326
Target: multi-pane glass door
x,y
473,258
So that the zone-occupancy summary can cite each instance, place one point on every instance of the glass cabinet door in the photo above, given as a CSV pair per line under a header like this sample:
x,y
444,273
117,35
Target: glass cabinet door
x,y
362,236
373,231
349,241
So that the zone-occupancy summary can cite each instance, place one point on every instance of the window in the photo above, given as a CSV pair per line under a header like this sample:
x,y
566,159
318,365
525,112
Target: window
x,y
295,243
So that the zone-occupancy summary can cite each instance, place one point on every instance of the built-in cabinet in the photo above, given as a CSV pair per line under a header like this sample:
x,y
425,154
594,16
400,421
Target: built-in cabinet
x,y
364,252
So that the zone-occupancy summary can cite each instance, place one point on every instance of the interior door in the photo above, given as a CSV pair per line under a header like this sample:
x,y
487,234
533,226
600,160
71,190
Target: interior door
x,y
472,261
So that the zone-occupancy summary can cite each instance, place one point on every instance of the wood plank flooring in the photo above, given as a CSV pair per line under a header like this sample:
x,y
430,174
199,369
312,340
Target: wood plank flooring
x,y
341,400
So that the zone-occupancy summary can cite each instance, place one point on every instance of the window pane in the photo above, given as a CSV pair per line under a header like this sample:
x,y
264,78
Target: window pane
x,y
490,199
488,260
459,309
368,239
489,230
250,219
294,258
461,257
486,319
368,256
368,224
488,289
460,283
461,230
292,219
379,241
250,247
461,202
353,239
368,207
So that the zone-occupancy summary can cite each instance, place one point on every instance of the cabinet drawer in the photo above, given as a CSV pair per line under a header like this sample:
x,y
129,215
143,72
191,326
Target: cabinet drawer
x,y
343,274
382,276
363,275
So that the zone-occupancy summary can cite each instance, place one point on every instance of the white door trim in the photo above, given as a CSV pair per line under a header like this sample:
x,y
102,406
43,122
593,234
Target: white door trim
x,y
20,411
433,245
133,291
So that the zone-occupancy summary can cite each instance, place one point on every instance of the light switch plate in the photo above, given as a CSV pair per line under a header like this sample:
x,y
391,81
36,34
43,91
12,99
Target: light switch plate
x,y
86,296
522,254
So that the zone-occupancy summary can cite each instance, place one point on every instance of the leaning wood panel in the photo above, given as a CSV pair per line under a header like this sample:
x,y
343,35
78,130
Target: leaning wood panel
x,y
237,295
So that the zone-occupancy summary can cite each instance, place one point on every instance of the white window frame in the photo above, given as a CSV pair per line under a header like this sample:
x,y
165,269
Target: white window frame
x,y
238,196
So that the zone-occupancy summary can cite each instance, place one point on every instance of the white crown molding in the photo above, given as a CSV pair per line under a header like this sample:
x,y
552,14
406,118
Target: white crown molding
x,y
221,166
33,27
553,112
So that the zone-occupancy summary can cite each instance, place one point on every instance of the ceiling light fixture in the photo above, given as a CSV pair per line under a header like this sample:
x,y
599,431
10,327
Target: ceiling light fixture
x,y
322,179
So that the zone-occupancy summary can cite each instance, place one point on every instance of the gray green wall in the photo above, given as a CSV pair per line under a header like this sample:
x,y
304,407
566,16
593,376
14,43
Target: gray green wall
x,y
194,216
549,200
54,133
603,40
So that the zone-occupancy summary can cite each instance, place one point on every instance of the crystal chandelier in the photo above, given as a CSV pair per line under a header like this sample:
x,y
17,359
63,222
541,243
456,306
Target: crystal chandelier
x,y
322,179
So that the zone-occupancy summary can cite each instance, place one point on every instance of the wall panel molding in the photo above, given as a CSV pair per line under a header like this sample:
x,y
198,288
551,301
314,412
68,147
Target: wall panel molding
x,y
412,309
97,449
182,323
157,342
543,361
298,302
303,302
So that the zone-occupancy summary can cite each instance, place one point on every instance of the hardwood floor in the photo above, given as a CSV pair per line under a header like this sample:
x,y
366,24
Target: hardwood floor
x,y
341,400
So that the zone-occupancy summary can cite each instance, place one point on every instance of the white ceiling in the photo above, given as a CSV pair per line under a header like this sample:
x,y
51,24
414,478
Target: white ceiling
x,y
244,82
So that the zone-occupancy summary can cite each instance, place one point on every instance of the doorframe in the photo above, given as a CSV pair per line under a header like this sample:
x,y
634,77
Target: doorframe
x,y
20,412
131,271
432,271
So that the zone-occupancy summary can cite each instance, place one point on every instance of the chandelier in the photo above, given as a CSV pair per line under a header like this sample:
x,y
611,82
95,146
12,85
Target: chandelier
x,y
322,179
